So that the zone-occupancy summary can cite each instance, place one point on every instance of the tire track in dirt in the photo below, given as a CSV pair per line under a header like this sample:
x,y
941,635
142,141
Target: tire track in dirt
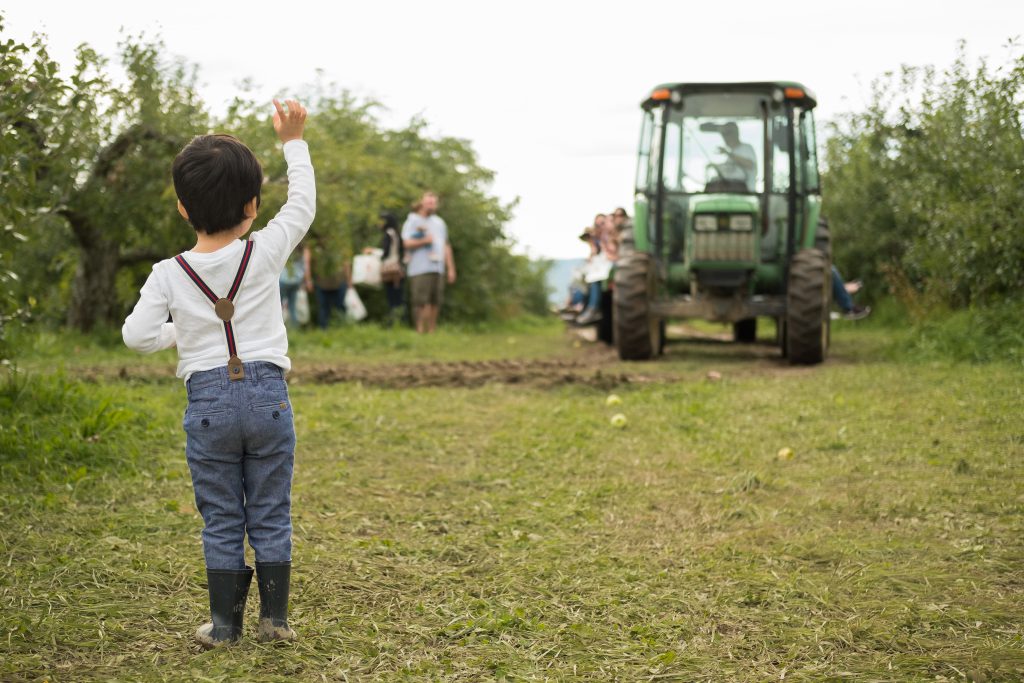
x,y
541,373
692,355
534,373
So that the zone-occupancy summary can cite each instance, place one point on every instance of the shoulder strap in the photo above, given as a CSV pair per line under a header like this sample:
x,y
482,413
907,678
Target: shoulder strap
x,y
234,363
236,283
194,276
246,257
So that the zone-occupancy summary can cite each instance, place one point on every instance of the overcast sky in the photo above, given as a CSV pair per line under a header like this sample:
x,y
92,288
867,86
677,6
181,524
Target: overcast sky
x,y
548,92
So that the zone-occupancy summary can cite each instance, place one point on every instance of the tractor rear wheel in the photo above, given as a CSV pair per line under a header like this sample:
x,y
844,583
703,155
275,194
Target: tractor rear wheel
x,y
637,332
823,238
807,300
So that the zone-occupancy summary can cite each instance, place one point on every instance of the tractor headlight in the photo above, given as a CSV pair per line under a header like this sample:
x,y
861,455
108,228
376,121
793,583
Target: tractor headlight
x,y
741,221
705,223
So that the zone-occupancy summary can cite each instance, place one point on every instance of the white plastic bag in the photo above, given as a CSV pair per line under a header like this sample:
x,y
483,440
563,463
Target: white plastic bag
x,y
354,308
302,306
366,269
598,269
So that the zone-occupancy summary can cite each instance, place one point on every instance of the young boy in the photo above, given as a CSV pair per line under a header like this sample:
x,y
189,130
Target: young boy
x,y
224,300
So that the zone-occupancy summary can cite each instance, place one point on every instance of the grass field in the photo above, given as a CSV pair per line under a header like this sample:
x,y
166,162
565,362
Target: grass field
x,y
464,510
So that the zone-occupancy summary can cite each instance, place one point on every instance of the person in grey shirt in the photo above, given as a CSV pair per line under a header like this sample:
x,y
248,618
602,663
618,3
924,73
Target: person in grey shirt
x,y
741,158
430,262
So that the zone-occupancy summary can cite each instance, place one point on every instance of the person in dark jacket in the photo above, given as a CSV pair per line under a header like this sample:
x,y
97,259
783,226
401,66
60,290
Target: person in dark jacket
x,y
392,257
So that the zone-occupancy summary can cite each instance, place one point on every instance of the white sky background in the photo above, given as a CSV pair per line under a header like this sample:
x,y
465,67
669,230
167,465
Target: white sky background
x,y
547,92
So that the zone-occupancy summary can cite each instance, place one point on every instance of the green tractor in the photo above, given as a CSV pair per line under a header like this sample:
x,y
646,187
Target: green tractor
x,y
727,224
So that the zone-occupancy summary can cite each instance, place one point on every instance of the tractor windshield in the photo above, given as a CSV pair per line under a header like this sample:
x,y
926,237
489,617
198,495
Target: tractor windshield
x,y
712,143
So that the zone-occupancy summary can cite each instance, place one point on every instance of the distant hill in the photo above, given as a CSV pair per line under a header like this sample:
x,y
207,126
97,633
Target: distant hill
x,y
559,277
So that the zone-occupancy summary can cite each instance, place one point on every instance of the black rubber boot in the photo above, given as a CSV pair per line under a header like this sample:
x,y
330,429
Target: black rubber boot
x,y
228,590
273,579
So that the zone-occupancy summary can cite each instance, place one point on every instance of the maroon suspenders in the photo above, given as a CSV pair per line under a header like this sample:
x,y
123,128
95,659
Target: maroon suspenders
x,y
224,307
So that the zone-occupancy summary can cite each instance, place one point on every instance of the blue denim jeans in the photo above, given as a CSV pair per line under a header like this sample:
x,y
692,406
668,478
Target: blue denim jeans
x,y
326,299
839,294
289,295
394,293
240,449
594,296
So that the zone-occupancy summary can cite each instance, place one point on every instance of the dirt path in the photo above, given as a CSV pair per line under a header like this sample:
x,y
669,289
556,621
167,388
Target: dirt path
x,y
538,373
543,373
691,354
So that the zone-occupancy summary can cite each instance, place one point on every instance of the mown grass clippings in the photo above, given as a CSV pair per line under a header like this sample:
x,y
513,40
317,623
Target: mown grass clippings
x,y
505,532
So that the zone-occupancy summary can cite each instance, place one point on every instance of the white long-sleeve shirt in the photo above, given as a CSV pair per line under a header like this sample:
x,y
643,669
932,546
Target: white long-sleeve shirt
x,y
257,321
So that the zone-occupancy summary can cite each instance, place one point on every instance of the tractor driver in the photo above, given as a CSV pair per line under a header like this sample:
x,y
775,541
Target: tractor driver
x,y
742,160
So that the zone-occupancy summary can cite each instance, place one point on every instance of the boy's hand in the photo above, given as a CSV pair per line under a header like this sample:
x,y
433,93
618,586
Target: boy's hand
x,y
289,124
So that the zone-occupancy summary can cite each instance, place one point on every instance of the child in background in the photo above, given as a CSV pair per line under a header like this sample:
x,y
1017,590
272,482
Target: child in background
x,y
223,297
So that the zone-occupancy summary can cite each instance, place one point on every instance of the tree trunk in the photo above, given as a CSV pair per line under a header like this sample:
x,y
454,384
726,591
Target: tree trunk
x,y
93,291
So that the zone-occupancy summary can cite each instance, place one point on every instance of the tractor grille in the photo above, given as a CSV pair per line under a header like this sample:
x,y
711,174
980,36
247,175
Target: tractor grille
x,y
724,246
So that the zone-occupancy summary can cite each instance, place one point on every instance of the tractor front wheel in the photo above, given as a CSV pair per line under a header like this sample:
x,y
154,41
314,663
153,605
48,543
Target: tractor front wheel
x,y
637,332
807,300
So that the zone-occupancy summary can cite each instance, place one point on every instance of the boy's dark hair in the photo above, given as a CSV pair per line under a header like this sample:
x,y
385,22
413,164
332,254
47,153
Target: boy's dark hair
x,y
215,176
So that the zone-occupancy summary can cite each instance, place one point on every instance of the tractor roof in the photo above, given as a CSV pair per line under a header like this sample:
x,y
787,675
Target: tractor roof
x,y
791,90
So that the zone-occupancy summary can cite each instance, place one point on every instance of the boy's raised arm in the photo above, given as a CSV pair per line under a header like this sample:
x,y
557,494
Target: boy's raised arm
x,y
289,124
284,232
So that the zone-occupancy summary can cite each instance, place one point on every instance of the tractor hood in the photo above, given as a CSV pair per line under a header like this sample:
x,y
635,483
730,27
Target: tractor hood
x,y
724,203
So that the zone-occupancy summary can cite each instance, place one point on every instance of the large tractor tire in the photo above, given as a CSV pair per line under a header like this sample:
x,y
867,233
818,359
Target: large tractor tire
x,y
823,239
807,302
745,331
637,332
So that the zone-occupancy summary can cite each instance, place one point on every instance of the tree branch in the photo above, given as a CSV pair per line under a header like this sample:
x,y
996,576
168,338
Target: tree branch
x,y
133,256
125,140
81,224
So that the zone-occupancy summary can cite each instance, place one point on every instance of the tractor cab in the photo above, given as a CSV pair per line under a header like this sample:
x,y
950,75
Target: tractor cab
x,y
727,196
